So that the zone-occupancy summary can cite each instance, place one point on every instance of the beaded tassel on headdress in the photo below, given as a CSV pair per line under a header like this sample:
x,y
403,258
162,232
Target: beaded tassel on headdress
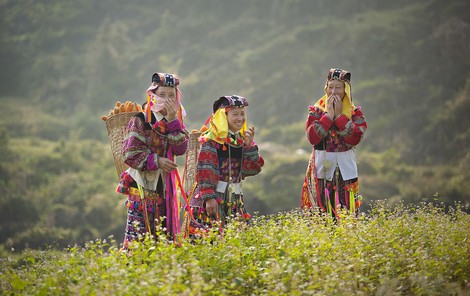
x,y
148,110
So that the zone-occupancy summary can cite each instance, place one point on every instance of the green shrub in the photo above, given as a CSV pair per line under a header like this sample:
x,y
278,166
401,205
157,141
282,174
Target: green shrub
x,y
412,250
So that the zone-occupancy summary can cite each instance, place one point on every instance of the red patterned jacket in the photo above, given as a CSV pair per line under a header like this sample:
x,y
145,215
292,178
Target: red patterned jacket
x,y
338,135
213,165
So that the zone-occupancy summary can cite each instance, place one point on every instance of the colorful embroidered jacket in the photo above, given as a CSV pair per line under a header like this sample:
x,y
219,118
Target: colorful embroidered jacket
x,y
144,143
338,135
213,165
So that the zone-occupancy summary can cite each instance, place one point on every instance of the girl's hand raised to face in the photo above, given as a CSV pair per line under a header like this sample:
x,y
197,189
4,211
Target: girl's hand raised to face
x,y
330,108
338,106
171,109
249,136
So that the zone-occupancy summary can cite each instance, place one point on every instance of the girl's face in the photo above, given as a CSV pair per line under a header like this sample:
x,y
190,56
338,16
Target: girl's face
x,y
166,93
236,118
335,87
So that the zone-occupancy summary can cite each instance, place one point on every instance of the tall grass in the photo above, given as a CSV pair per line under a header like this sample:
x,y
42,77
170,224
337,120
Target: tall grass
x,y
404,250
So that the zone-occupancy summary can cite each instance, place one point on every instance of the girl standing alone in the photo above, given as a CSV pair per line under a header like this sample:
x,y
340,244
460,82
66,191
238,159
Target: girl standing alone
x,y
153,140
334,127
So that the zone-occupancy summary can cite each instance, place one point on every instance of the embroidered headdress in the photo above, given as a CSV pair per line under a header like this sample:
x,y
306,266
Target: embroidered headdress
x,y
153,102
218,124
344,76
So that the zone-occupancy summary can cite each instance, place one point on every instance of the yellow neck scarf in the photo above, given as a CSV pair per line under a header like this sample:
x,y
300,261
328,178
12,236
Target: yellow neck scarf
x,y
218,128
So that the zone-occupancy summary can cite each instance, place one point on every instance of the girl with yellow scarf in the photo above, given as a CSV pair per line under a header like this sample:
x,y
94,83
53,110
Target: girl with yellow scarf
x,y
228,155
334,127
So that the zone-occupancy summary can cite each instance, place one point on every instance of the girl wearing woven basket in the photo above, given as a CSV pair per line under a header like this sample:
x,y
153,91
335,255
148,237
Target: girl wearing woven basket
x,y
154,138
228,155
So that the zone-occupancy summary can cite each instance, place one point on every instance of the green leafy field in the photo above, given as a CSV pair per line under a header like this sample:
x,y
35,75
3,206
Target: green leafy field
x,y
422,250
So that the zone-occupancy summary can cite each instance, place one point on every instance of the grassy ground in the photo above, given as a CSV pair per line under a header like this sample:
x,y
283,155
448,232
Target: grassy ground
x,y
412,250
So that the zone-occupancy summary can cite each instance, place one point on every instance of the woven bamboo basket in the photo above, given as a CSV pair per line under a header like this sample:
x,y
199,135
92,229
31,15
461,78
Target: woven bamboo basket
x,y
117,131
191,160
190,174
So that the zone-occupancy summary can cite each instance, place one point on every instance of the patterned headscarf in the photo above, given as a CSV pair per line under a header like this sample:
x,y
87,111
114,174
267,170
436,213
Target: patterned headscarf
x,y
218,124
163,79
344,76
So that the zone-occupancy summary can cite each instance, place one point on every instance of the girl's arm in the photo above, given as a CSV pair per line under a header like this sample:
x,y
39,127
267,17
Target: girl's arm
x,y
318,124
352,130
178,137
135,151
208,174
252,161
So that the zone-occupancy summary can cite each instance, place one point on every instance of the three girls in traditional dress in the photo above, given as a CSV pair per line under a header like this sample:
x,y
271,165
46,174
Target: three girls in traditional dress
x,y
228,155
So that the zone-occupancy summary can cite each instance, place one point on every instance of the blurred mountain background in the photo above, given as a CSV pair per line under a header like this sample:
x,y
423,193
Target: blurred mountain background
x,y
65,63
